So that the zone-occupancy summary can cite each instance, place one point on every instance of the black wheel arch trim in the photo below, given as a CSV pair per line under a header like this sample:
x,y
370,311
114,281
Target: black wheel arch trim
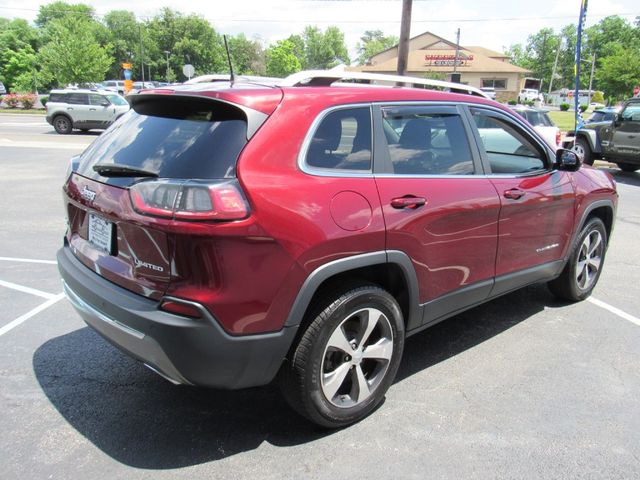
x,y
583,220
343,265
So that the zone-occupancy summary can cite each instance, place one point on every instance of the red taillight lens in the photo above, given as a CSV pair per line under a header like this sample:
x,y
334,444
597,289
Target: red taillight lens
x,y
558,138
190,200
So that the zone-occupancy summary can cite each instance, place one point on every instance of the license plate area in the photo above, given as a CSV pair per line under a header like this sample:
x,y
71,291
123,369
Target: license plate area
x,y
101,233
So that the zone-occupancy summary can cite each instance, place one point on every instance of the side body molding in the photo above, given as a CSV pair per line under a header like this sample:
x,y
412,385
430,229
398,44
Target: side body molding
x,y
342,265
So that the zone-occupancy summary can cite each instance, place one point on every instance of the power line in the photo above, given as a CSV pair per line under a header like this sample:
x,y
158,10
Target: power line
x,y
338,22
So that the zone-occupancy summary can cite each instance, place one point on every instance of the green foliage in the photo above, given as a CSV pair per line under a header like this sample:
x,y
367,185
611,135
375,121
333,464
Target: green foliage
x,y
372,43
74,55
282,60
247,56
564,107
598,97
512,102
618,72
60,10
324,50
44,99
583,108
18,44
432,75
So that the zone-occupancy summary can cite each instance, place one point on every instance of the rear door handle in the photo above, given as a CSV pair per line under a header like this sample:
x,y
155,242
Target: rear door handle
x,y
409,202
513,194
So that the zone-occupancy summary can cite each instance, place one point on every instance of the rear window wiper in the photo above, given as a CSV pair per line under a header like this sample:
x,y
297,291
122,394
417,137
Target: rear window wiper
x,y
113,170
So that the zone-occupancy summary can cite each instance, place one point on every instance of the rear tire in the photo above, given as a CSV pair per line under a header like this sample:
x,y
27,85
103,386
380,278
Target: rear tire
x,y
582,271
582,148
628,167
346,359
62,124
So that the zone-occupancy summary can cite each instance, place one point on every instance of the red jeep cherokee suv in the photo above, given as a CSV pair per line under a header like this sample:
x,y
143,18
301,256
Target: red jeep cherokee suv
x,y
225,234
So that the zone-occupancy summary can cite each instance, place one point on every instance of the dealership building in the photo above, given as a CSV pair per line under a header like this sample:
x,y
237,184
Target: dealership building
x,y
477,66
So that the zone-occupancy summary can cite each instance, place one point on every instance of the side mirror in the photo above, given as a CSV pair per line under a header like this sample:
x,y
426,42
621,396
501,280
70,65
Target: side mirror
x,y
567,160
617,120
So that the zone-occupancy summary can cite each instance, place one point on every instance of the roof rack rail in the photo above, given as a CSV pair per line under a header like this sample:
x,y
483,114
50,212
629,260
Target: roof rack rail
x,y
328,77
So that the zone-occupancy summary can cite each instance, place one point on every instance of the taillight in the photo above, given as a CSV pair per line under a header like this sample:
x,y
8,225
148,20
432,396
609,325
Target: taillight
x,y
190,200
558,138
181,308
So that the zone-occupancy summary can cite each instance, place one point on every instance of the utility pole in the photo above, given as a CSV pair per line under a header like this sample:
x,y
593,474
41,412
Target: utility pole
x,y
542,58
455,60
593,68
555,65
405,30
167,52
141,52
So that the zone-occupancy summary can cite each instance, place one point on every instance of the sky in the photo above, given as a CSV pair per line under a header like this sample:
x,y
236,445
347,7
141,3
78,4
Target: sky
x,y
493,24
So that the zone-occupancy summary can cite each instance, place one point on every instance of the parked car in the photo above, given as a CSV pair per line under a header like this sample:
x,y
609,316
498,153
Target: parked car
x,y
602,115
541,122
114,86
490,91
226,235
616,141
530,95
84,110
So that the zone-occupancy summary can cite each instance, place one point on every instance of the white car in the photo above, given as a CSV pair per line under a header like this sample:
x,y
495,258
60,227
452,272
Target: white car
x,y
490,91
530,95
541,123
84,109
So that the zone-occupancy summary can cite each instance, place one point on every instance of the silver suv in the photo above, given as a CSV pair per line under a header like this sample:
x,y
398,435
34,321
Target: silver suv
x,y
84,109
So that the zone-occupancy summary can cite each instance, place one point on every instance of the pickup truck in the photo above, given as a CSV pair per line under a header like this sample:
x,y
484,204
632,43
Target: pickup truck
x,y
617,141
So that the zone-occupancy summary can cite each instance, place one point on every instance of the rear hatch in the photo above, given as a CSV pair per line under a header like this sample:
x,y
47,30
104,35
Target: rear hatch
x,y
130,191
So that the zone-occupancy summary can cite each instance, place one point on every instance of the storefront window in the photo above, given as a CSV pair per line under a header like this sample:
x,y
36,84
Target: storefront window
x,y
497,83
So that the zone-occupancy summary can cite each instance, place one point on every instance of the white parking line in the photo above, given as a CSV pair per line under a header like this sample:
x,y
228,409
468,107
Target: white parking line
x,y
614,310
28,315
5,142
32,291
27,260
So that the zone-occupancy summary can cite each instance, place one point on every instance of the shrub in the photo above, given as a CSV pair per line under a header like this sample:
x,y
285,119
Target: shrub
x,y
529,103
44,99
564,107
12,100
28,100
583,108
512,102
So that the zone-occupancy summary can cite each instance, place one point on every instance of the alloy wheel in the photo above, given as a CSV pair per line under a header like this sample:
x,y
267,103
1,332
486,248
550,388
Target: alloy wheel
x,y
589,259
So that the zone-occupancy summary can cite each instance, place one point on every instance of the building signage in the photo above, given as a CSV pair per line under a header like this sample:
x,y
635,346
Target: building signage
x,y
448,60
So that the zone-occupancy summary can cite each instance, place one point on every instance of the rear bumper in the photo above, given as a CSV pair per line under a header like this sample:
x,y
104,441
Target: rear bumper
x,y
183,350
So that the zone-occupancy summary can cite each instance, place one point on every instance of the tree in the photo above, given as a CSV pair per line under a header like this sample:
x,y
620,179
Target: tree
x,y
73,55
125,33
282,60
189,39
372,43
59,10
18,44
247,55
324,50
618,72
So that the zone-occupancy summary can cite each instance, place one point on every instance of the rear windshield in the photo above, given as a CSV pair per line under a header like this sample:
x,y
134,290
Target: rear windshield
x,y
173,137
537,119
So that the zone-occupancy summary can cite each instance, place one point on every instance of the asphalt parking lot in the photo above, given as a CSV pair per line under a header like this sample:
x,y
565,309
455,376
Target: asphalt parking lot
x,y
522,387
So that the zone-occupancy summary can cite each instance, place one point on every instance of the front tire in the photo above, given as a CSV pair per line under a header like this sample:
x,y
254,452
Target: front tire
x,y
346,359
581,274
583,150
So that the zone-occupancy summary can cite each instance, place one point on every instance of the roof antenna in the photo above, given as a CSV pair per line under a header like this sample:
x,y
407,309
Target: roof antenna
x,y
232,77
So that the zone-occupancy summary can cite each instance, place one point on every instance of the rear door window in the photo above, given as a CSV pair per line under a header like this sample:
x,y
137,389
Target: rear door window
x,y
78,98
177,137
426,141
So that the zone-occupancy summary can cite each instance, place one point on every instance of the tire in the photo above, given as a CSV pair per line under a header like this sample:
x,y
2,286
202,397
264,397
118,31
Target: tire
x,y
62,124
628,167
355,341
582,271
582,148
